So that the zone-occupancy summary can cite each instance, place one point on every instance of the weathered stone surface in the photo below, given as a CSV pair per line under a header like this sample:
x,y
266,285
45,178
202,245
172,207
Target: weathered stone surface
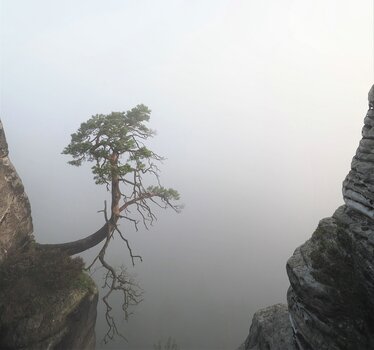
x,y
15,213
81,325
271,329
358,186
331,295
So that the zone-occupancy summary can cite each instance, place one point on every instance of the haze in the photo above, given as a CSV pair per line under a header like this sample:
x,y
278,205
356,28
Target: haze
x,y
258,107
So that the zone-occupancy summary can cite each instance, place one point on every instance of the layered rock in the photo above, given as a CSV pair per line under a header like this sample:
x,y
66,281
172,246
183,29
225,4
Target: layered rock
x,y
358,186
15,213
56,318
331,297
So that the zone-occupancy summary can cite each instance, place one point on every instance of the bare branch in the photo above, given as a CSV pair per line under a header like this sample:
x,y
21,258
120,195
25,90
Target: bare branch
x,y
135,222
128,247
131,292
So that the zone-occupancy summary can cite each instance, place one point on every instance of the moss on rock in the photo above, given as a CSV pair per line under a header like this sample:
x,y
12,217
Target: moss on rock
x,y
39,290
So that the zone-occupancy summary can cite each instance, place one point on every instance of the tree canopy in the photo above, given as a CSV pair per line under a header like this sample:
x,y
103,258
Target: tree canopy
x,y
114,142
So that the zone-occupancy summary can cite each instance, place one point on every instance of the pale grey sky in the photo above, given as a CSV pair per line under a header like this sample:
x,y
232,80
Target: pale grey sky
x,y
258,107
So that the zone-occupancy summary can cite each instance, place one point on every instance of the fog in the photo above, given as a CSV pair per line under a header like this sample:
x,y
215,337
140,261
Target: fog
x,y
258,107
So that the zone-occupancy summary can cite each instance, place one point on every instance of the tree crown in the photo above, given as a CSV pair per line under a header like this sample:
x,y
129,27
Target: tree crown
x,y
103,139
115,143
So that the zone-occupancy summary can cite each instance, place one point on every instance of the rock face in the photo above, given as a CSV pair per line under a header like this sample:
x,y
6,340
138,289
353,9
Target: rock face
x,y
358,187
270,329
15,213
62,320
331,297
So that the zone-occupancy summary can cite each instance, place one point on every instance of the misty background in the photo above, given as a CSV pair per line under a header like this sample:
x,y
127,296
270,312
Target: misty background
x,y
258,107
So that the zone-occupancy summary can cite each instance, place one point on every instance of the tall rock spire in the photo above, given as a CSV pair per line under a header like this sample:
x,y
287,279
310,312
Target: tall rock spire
x,y
358,186
331,294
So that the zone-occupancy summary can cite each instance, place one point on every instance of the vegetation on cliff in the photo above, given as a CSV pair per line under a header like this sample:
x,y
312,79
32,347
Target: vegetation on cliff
x,y
39,290
115,144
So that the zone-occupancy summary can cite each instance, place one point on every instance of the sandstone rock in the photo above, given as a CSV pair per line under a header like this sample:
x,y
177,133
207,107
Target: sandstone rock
x,y
271,329
15,213
331,297
371,97
358,186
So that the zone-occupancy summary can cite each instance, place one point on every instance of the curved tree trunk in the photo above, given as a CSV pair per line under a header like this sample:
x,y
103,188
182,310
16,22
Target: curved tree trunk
x,y
90,241
80,245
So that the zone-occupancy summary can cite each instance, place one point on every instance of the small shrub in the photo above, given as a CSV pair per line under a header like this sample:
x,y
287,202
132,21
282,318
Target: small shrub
x,y
29,279
47,269
170,344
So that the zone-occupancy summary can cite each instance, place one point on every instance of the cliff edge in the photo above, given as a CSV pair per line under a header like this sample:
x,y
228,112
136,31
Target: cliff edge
x,y
331,294
46,300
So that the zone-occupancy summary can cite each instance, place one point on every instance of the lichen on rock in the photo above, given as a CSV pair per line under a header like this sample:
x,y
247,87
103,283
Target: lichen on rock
x,y
46,301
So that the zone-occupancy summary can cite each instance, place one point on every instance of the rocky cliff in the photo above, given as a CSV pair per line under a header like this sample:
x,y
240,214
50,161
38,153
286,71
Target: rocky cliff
x,y
15,213
331,294
46,301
